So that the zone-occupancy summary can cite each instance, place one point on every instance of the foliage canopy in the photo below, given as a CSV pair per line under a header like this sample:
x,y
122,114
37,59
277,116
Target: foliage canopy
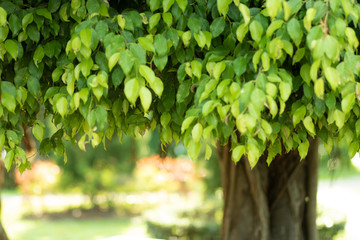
x,y
261,74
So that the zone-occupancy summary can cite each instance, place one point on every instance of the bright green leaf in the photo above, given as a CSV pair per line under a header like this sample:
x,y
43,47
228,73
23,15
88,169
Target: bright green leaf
x,y
3,17
256,30
145,98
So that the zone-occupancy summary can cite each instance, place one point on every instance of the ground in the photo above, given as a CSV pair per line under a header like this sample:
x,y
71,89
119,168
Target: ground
x,y
338,199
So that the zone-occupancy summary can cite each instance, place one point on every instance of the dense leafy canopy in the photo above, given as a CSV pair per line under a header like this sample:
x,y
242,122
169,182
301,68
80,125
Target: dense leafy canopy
x,y
261,74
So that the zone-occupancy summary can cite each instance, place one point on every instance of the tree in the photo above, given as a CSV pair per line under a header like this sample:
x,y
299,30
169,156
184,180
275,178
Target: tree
x,y
262,80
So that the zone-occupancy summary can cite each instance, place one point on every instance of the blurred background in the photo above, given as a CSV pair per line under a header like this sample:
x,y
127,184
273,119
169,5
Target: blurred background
x,y
133,190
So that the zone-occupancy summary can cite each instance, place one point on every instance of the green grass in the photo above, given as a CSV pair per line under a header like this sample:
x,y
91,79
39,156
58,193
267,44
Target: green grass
x,y
73,229
18,228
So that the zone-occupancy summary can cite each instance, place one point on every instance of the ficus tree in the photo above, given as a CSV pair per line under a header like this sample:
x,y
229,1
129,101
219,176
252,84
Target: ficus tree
x,y
261,81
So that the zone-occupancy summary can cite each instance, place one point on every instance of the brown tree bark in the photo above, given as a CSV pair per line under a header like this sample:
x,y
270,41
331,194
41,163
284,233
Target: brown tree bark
x,y
270,203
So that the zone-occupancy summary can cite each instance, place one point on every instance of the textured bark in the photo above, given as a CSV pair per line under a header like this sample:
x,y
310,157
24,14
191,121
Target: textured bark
x,y
270,203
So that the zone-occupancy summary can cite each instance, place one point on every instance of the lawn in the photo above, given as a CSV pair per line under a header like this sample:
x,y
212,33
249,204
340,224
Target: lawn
x,y
66,228
73,229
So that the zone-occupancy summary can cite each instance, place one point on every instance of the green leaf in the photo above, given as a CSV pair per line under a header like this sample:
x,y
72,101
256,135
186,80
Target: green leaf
x,y
9,157
245,11
275,25
138,53
348,102
4,31
186,37
266,126
75,4
121,21
85,36
12,48
14,24
339,117
218,69
3,17
330,101
253,153
117,76
194,24
351,35
193,149
256,30
126,61
303,149
182,4
285,90
208,107
271,89
310,15
33,33
353,149
63,13
154,20
147,44
299,54
131,90
357,127
167,4
295,31
241,32
186,123
305,73
217,26
223,6
196,68
27,19
62,106
319,88
104,10
53,5
38,130
38,55
200,39
299,115
160,44
33,85
145,98
332,47
92,6
157,86
238,152
154,5
8,101
196,132
113,60
56,74
273,7
265,59
101,116
165,119
160,62
208,152
85,66
332,76
44,12
309,125
240,65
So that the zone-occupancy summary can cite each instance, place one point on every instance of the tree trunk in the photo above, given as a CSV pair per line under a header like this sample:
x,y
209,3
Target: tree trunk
x,y
270,203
